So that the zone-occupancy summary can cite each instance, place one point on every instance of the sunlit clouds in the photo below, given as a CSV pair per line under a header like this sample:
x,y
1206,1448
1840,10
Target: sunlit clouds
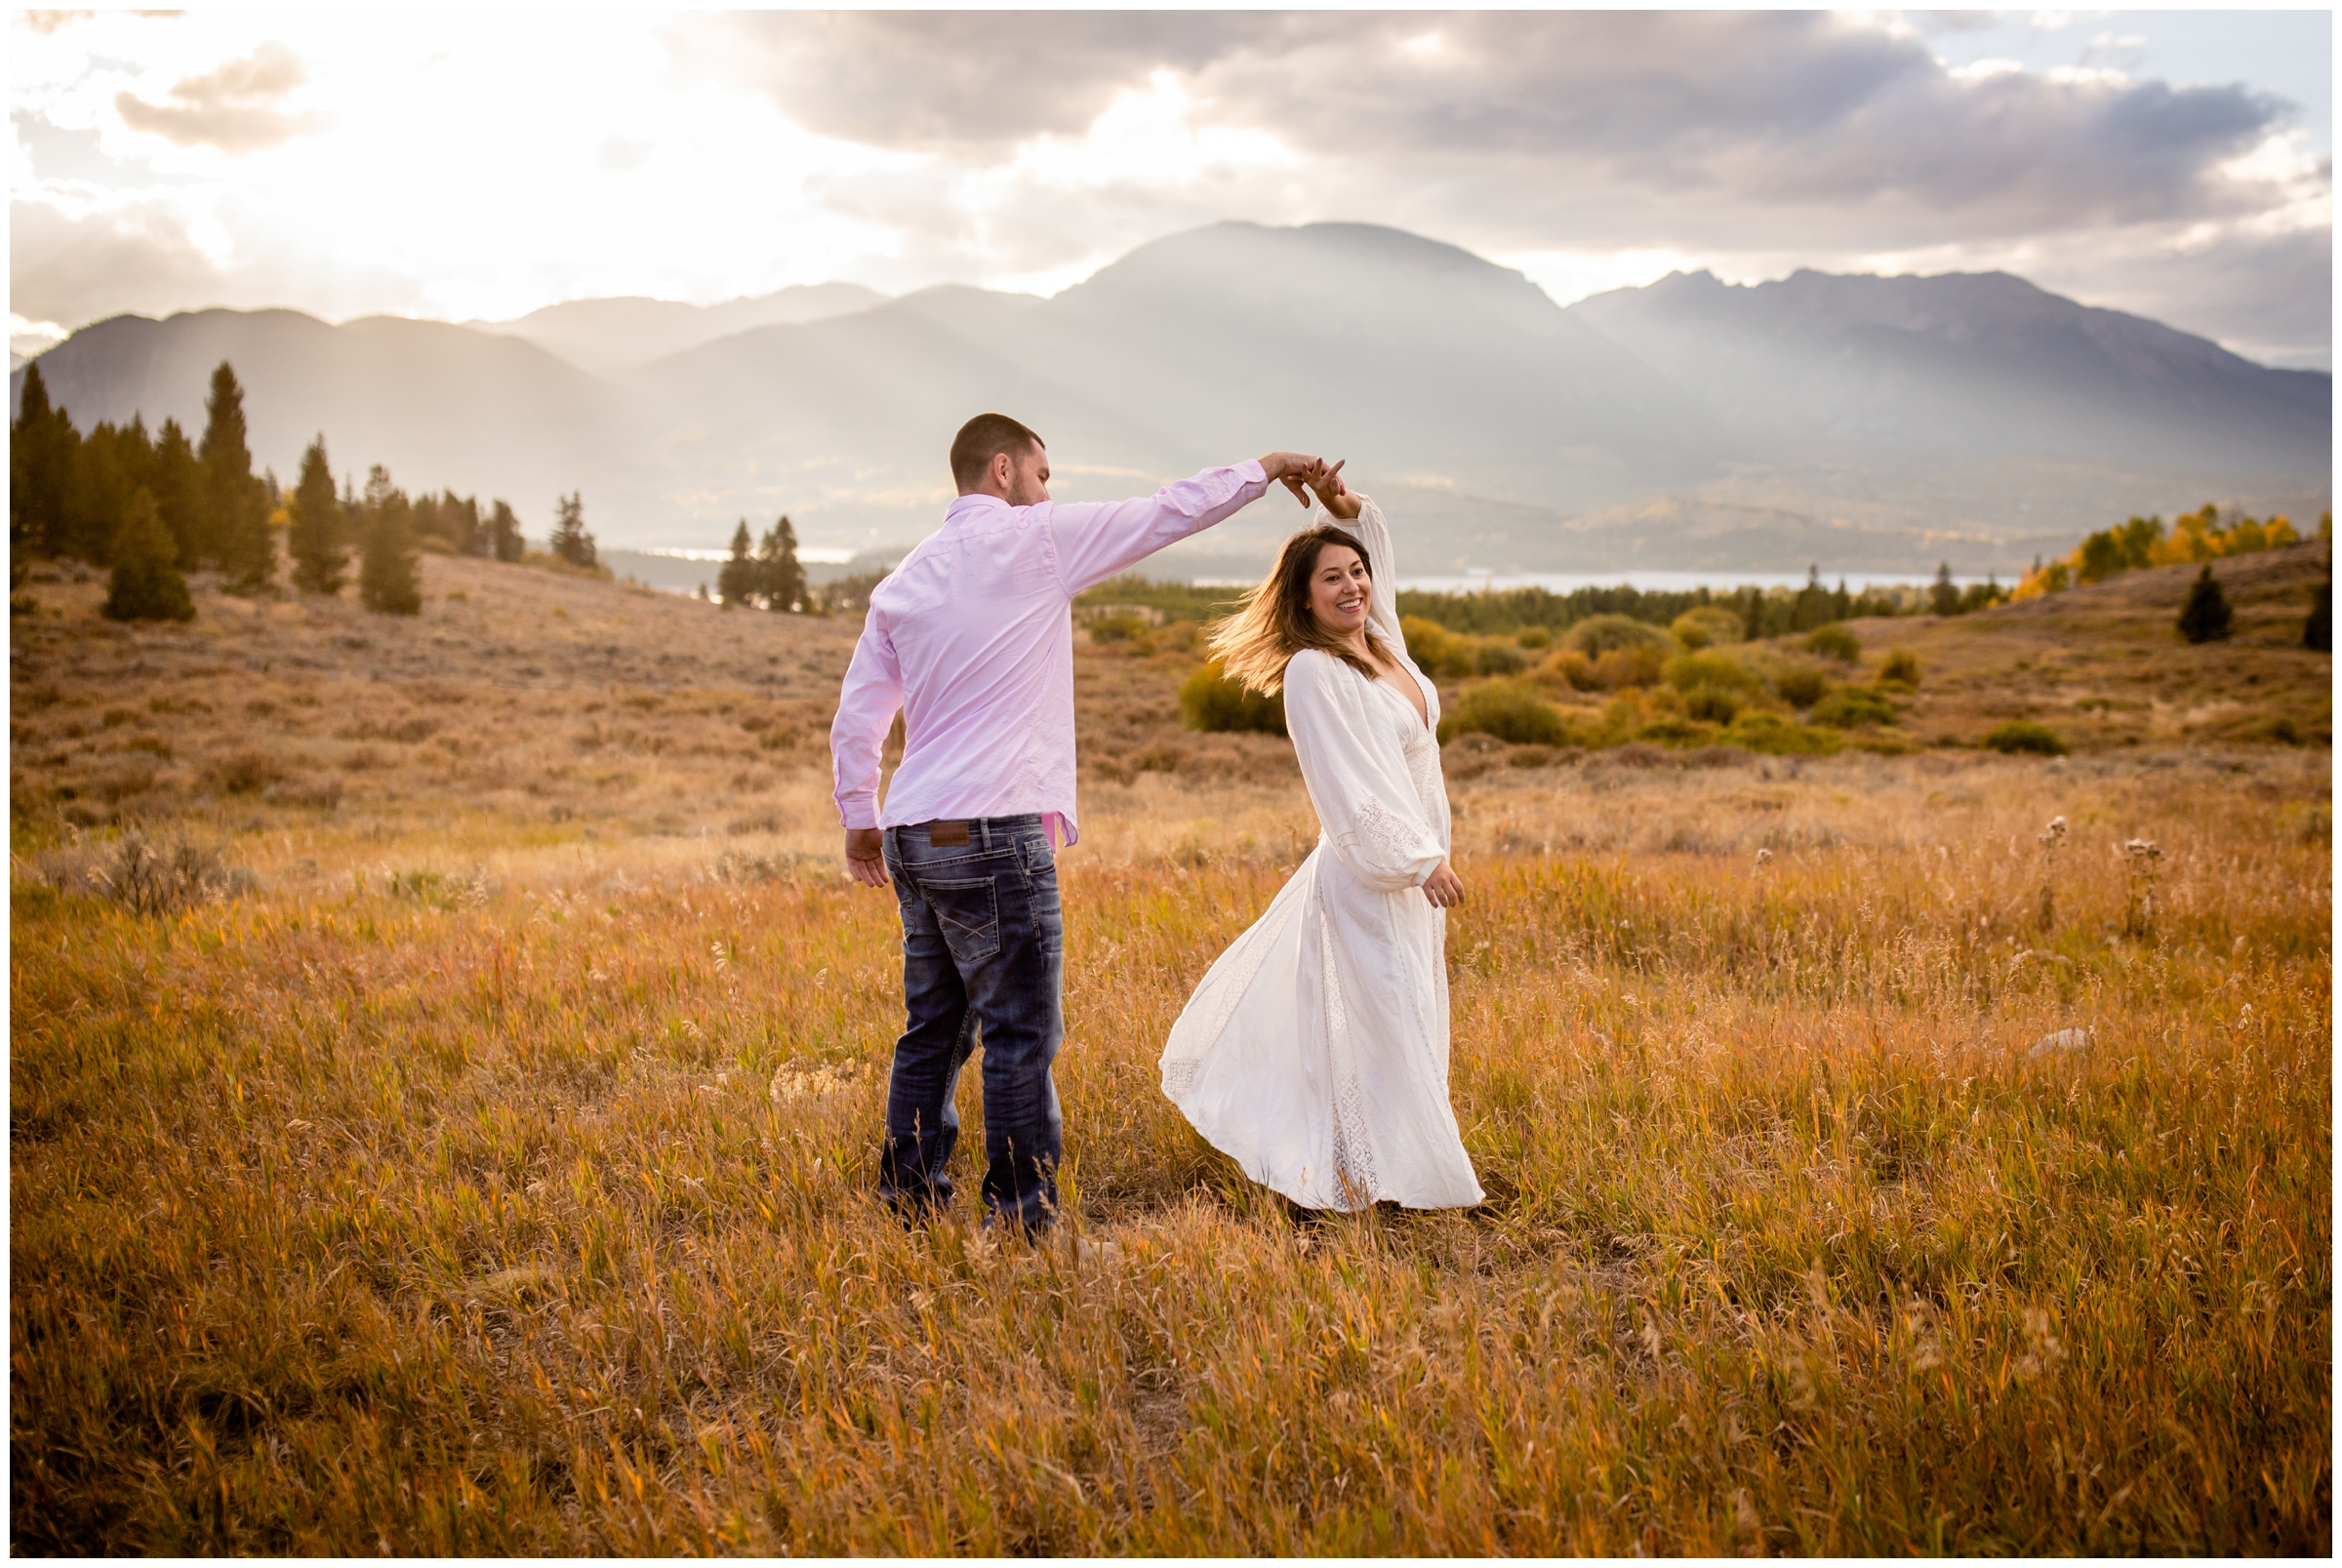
x,y
481,164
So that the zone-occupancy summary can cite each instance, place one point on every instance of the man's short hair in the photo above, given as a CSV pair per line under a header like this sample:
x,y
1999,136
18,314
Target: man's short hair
x,y
981,440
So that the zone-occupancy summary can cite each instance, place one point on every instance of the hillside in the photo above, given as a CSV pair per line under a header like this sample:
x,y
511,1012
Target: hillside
x,y
610,335
1865,424
1961,364
2102,665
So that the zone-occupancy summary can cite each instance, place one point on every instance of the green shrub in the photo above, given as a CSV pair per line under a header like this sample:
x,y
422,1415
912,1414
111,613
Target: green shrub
x,y
1434,648
1716,704
1901,668
1852,707
1708,626
1123,626
1688,672
2024,735
1835,642
1776,736
1534,637
1802,685
1500,658
1209,701
1597,635
1511,710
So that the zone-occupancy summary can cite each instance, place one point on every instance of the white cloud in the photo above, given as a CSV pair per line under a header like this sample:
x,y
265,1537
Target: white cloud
x,y
484,164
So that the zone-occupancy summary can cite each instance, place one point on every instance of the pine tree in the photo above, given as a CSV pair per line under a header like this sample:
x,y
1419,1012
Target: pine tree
x,y
1812,606
147,585
317,539
386,576
735,582
43,453
177,480
569,539
505,541
465,517
2317,633
234,516
1943,596
782,580
425,518
2205,617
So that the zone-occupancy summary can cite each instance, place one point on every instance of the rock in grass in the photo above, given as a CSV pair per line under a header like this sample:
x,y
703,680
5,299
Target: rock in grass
x,y
2062,1042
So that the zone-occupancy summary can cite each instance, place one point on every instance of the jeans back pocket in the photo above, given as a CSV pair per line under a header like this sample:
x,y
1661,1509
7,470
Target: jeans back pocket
x,y
969,912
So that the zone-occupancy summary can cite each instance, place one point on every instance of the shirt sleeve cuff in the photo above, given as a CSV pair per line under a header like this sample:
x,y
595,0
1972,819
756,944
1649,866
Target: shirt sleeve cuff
x,y
1252,471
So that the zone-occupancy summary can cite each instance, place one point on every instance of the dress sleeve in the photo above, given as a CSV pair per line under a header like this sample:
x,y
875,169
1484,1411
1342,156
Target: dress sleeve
x,y
1357,778
1382,605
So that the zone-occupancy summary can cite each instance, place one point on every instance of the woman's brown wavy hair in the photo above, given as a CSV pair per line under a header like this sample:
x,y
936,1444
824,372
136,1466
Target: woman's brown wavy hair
x,y
1256,643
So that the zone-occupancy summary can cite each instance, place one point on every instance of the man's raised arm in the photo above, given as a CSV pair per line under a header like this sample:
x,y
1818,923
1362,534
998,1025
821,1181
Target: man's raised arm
x,y
866,707
1095,539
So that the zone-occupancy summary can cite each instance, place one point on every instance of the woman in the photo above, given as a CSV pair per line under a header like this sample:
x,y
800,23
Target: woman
x,y
1314,1053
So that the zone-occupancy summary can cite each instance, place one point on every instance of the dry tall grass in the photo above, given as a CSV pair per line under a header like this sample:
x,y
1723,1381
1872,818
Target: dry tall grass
x,y
530,1211
473,1150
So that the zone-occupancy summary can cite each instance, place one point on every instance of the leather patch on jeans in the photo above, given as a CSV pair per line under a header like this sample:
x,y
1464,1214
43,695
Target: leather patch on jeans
x,y
946,835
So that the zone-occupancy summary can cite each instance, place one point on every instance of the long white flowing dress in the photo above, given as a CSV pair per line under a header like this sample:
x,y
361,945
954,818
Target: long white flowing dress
x,y
1314,1052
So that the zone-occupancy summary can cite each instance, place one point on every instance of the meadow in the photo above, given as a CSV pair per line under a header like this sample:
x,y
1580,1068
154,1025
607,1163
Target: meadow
x,y
446,1060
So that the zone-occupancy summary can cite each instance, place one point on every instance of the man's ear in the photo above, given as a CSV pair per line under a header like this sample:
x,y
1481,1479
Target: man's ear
x,y
1005,470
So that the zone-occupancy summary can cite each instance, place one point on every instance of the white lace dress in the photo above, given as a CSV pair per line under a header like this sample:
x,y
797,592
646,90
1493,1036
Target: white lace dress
x,y
1314,1052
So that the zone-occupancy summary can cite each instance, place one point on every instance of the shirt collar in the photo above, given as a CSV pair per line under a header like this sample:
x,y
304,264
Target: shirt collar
x,y
971,503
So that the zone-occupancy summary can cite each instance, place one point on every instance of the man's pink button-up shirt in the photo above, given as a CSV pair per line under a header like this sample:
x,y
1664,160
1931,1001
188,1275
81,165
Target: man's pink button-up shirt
x,y
972,637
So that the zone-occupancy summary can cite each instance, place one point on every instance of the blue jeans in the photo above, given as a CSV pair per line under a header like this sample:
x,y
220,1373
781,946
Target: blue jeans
x,y
984,945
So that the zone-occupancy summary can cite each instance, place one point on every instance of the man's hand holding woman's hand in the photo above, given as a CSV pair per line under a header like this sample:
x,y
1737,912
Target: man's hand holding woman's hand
x,y
1443,887
1293,470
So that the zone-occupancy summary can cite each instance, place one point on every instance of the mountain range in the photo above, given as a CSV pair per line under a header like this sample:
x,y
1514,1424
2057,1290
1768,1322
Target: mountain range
x,y
1863,423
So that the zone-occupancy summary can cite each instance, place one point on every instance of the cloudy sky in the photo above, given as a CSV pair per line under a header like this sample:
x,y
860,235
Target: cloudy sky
x,y
482,164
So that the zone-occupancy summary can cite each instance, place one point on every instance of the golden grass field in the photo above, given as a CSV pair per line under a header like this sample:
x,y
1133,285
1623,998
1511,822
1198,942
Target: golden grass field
x,y
492,1170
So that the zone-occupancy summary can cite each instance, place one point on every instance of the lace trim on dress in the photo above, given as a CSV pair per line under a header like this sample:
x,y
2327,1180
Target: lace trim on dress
x,y
1400,839
1356,1180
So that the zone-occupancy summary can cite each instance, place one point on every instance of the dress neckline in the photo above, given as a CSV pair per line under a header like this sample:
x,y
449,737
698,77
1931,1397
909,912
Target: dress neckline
x,y
1422,719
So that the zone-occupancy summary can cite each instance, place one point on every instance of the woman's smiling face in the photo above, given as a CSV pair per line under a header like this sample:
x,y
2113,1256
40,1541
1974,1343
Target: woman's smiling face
x,y
1339,586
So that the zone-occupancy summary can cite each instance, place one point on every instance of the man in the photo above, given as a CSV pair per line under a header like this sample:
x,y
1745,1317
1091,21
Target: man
x,y
971,638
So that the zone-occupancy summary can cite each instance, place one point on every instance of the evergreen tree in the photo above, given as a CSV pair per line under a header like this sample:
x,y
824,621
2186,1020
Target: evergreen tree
x,y
317,539
780,579
1841,603
1943,596
424,517
463,518
112,465
2205,617
1812,606
179,491
147,585
388,581
2318,635
735,582
43,452
504,542
570,541
236,505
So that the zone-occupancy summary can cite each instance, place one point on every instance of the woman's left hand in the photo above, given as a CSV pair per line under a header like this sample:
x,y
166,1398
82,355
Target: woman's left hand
x,y
1443,887
1338,497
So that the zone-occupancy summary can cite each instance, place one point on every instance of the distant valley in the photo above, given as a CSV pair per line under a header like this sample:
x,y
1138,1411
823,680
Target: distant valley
x,y
1861,424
